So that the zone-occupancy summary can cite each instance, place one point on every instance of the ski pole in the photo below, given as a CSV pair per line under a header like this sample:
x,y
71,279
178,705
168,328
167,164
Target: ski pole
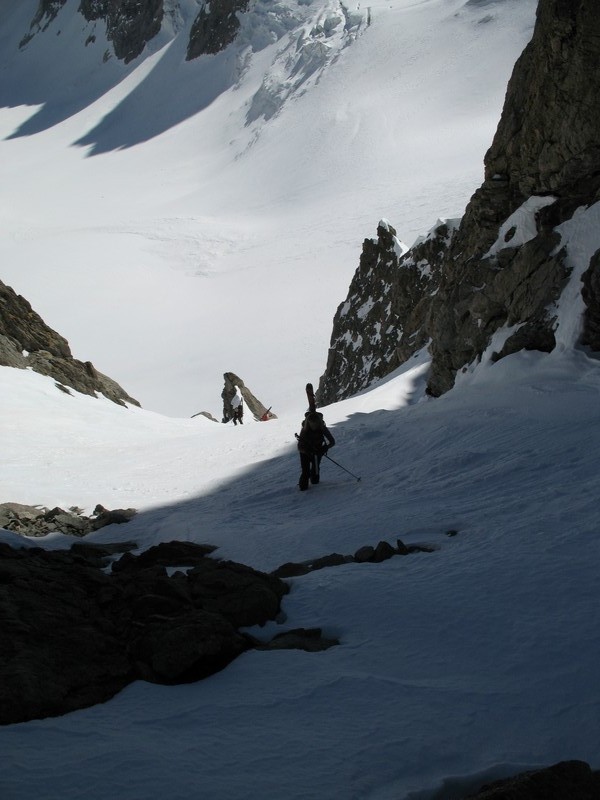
x,y
340,466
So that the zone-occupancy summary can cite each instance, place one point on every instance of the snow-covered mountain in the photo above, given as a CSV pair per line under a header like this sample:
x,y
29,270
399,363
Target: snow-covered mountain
x,y
171,233
176,219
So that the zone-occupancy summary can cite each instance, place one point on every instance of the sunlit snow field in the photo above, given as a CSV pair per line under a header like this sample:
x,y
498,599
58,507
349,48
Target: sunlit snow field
x,y
170,241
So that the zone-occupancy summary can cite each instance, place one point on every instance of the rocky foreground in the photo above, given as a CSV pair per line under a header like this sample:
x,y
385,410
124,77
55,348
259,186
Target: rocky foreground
x,y
81,624
78,626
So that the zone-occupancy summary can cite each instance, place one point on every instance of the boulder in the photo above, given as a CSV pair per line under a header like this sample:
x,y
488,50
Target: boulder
x,y
75,634
256,408
364,554
310,640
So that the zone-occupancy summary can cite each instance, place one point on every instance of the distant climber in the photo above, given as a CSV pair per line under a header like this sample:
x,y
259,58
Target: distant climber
x,y
237,403
234,385
314,440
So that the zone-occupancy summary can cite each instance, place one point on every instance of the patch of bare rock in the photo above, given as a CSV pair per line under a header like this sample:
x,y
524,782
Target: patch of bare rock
x,y
364,555
39,521
567,780
81,624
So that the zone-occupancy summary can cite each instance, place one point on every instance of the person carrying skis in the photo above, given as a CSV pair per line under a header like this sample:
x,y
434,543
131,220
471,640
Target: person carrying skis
x,y
237,403
314,440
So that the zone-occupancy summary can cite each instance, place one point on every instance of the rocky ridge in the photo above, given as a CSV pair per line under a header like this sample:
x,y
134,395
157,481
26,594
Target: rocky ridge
x,y
130,25
26,342
504,267
382,321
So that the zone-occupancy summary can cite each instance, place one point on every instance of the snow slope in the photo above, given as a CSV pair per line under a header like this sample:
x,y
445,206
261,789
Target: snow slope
x,y
473,661
154,216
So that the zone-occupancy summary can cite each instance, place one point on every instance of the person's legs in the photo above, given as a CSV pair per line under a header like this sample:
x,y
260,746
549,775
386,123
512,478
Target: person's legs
x,y
315,469
305,461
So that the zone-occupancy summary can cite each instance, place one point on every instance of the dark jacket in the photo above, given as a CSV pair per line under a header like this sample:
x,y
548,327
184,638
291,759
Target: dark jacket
x,y
315,437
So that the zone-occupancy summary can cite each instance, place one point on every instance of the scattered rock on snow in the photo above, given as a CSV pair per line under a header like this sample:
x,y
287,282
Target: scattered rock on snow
x,y
39,521
309,639
364,555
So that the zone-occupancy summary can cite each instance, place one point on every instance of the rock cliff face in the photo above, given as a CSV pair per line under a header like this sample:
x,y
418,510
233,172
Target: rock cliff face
x,y
505,267
382,321
215,27
131,24
27,342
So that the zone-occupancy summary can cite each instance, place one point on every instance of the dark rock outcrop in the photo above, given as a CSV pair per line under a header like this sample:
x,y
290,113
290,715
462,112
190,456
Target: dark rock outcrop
x,y
546,145
256,408
27,342
74,635
130,24
591,297
215,27
382,321
46,12
544,164
567,780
